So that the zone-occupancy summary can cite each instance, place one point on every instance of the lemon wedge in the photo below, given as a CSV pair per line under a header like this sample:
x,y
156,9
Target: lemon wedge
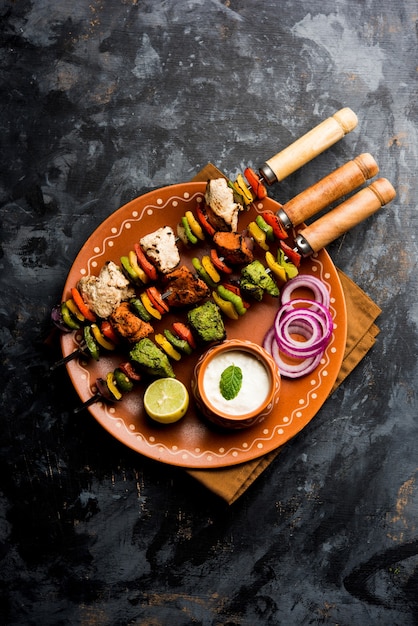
x,y
166,400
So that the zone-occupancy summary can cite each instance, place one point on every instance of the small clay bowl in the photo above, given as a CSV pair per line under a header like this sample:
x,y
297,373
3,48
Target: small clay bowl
x,y
259,392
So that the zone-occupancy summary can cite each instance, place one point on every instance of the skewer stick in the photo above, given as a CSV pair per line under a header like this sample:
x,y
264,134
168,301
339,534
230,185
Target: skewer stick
x,y
73,355
97,396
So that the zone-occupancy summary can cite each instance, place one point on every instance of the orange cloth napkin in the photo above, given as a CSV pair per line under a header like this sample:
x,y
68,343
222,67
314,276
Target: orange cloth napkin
x,y
230,483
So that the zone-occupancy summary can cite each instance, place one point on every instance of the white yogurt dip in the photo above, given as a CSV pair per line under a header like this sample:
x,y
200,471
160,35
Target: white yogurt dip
x,y
255,387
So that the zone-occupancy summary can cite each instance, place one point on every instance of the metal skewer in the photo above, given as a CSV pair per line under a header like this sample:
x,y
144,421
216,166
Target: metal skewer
x,y
97,396
73,355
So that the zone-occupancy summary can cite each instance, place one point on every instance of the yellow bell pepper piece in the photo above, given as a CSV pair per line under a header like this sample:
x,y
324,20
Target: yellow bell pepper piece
x,y
111,383
242,188
75,310
226,306
149,306
258,235
68,318
133,260
167,347
211,269
195,226
101,339
202,272
277,269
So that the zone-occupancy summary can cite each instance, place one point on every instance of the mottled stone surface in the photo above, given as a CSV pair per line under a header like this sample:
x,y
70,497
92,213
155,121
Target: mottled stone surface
x,y
100,102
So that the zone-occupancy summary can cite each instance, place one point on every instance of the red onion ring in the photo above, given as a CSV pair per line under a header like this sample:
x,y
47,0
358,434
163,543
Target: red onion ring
x,y
269,337
297,370
315,326
318,288
289,370
311,340
308,318
308,328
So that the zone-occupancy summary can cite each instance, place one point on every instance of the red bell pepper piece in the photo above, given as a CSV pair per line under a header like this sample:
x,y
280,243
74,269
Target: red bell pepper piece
x,y
273,221
234,288
184,333
218,263
107,330
237,291
146,265
255,183
291,254
82,306
128,369
156,299
204,222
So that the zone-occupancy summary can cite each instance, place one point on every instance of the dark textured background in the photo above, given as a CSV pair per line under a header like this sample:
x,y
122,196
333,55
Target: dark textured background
x,y
100,102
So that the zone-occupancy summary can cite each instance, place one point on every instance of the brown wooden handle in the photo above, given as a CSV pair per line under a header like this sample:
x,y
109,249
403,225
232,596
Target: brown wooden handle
x,y
339,183
347,215
309,146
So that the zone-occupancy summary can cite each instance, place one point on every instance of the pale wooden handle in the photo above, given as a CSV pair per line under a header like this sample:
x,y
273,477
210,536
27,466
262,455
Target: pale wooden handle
x,y
348,214
313,143
329,189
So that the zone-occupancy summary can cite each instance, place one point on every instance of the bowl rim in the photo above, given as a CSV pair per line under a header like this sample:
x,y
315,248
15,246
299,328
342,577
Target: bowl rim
x,y
246,346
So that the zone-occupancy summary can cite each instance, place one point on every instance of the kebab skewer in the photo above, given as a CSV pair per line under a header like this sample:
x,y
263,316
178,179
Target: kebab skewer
x,y
355,209
238,308
297,154
361,205
364,202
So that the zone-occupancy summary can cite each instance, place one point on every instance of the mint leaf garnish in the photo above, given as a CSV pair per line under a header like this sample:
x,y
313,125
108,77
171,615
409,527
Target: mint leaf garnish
x,y
230,382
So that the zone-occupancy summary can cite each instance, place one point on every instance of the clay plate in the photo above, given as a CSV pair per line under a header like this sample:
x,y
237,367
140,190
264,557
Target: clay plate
x,y
192,442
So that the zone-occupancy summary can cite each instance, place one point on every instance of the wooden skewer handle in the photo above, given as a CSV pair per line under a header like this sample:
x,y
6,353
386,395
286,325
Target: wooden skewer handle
x,y
347,215
309,146
339,183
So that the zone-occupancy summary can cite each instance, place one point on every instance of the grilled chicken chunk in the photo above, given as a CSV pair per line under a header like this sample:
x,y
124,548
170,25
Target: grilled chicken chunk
x,y
161,248
105,292
128,325
220,208
234,247
184,288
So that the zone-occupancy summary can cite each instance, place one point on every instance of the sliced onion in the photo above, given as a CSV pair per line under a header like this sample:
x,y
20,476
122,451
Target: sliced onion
x,y
315,326
309,329
296,370
289,370
56,318
248,240
318,288
104,390
269,337
300,317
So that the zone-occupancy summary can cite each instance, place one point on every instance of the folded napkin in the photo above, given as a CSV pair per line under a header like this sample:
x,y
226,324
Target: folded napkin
x,y
230,483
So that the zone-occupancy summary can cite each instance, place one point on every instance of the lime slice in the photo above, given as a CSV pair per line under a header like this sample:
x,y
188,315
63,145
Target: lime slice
x,y
166,400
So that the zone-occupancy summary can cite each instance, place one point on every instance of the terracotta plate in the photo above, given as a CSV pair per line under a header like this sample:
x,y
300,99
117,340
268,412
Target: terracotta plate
x,y
191,442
